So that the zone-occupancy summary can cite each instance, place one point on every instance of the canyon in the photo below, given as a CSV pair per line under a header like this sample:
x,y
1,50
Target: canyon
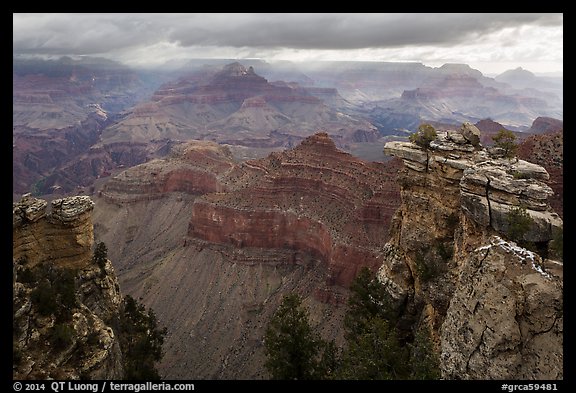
x,y
433,225
234,105
213,244
59,110
76,121
219,189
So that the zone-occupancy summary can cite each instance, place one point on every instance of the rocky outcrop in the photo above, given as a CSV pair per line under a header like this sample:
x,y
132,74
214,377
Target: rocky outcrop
x,y
448,266
63,301
471,133
63,236
505,319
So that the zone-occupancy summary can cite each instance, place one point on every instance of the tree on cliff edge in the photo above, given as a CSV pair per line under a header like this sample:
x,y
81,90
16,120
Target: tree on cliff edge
x,y
374,349
141,340
293,349
506,140
426,133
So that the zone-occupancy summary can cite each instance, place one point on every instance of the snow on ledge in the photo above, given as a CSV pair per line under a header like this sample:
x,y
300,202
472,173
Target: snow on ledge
x,y
520,252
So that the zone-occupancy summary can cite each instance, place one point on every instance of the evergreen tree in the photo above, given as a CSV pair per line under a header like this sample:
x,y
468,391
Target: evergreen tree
x,y
375,354
101,255
423,359
293,350
368,299
519,223
374,350
140,340
506,140
425,134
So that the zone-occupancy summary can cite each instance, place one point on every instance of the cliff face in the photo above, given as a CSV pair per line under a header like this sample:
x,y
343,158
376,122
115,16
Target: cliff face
x,y
63,237
494,308
505,319
313,198
63,301
189,168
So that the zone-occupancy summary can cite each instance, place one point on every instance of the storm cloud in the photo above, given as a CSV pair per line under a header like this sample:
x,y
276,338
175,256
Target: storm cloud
x,y
128,36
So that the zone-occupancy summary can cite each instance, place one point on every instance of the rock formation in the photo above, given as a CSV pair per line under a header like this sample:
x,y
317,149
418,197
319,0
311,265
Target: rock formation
x,y
505,319
63,237
495,309
191,168
214,253
63,301
236,106
313,199
544,125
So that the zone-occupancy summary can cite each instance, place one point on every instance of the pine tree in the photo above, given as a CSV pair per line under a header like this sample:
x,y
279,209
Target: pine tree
x,y
101,254
374,350
292,347
425,134
506,140
141,340
375,354
423,359
368,299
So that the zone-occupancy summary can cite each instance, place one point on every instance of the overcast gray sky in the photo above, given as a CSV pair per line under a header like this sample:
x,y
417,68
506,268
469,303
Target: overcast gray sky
x,y
491,43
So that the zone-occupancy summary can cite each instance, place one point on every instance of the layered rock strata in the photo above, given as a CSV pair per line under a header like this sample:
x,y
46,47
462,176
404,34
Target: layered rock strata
x,y
215,264
53,263
447,263
234,105
313,198
63,236
191,168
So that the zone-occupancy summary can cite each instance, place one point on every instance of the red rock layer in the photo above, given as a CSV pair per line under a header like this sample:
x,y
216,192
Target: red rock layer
x,y
313,198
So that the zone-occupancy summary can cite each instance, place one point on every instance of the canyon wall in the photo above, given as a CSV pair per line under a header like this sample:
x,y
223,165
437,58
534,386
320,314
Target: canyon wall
x,y
495,309
313,198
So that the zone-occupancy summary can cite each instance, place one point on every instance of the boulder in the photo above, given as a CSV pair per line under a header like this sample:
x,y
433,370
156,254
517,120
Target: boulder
x,y
471,133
